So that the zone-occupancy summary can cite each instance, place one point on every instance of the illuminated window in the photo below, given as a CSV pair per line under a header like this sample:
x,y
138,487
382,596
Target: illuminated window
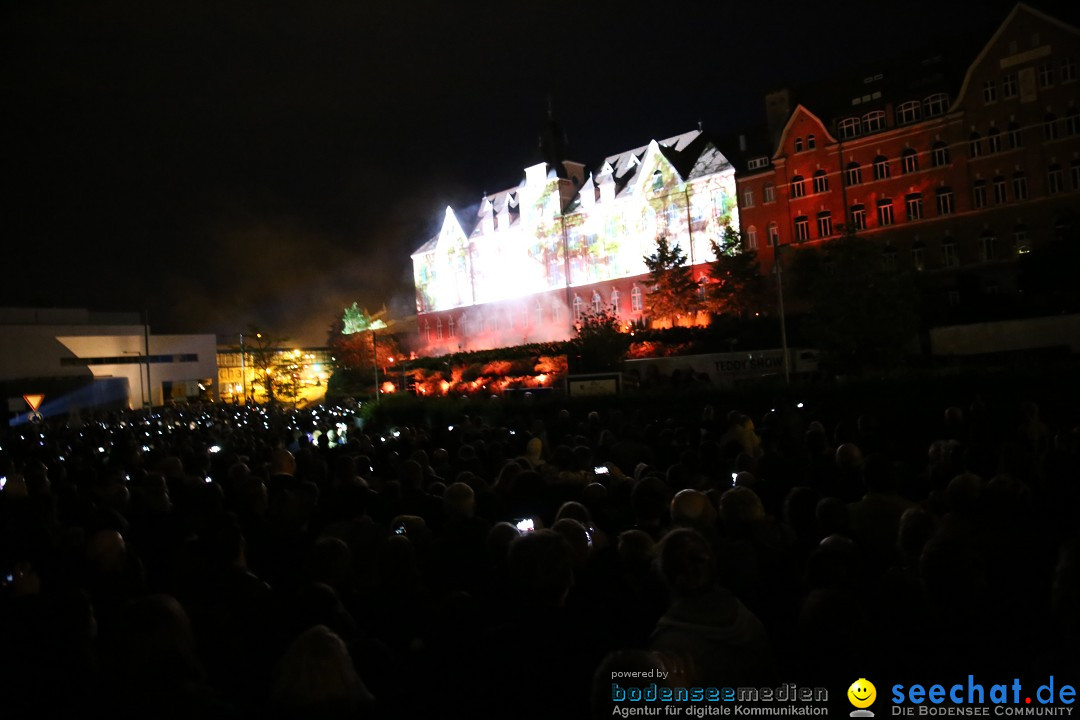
x,y
1046,75
556,313
1072,122
909,161
993,141
597,303
908,112
748,198
579,307
936,105
1016,139
949,254
944,197
1020,240
774,234
1000,193
438,328
802,228
450,326
918,256
821,182
858,217
1050,130
978,193
1053,179
427,331
987,241
798,190
615,301
811,142
888,258
975,145
635,299
913,202
824,224
874,121
751,238
798,144
758,162
657,180
849,128
854,174
939,154
989,92
1020,188
769,193
881,167
1068,70
885,212
1008,86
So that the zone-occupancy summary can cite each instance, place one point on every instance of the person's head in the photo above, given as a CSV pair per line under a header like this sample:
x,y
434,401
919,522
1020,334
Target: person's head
x,y
740,510
282,462
574,510
459,501
692,508
636,550
316,671
541,564
577,537
686,562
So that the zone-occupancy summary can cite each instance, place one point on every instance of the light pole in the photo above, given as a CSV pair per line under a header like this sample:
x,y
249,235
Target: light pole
x,y
142,390
243,369
780,306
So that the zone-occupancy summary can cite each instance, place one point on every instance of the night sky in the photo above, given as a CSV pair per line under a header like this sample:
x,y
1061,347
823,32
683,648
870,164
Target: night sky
x,y
230,163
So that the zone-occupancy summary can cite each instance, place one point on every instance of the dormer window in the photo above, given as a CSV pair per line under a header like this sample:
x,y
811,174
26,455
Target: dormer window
x,y
657,180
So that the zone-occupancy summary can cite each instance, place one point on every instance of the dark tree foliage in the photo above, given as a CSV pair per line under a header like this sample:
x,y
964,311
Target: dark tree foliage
x,y
598,343
859,314
674,292
736,288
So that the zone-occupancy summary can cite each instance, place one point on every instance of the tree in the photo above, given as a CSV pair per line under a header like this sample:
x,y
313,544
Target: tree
x,y
357,345
736,287
674,292
598,343
263,350
861,314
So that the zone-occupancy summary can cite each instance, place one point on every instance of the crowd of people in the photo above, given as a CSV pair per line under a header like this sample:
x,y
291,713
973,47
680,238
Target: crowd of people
x,y
264,563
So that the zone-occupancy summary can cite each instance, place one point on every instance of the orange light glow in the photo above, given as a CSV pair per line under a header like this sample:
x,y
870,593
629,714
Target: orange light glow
x,y
388,387
444,386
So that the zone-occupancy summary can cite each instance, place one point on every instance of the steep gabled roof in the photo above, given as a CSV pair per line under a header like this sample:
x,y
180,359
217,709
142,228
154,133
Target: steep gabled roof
x,y
800,109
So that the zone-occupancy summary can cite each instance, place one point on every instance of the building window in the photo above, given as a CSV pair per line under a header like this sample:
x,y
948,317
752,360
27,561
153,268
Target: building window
x,y
888,258
953,298
774,234
989,92
1016,139
579,308
769,193
597,303
993,141
944,197
908,112
1053,179
939,154
858,217
975,145
918,256
657,180
949,254
539,313
1008,86
556,313
1050,131
986,246
824,224
914,206
758,162
427,331
450,326
849,128
1020,240
1020,188
615,302
798,145
909,161
1046,75
798,189
802,228
748,198
1000,194
821,182
438,328
936,105
854,174
1068,70
1072,122
885,212
635,299
811,142
978,194
874,121
881,167
751,238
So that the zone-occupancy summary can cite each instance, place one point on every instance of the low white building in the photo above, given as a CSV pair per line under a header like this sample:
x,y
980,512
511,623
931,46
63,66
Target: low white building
x,y
83,359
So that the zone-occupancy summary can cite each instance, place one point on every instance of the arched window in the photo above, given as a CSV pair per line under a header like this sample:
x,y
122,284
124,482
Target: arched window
x,y
798,189
450,326
1050,131
427,331
909,161
751,238
1020,239
939,154
579,307
438,328
987,241
908,112
597,303
975,145
1016,139
768,193
854,173
849,128
635,300
993,140
881,167
821,182
874,121
798,144
774,234
615,301
811,142
935,105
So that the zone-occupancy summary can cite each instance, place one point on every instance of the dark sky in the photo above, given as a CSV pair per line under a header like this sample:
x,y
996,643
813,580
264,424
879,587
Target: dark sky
x,y
229,163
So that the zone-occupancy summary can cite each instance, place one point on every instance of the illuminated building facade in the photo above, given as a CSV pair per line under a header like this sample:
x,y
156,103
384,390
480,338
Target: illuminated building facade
x,y
954,175
532,259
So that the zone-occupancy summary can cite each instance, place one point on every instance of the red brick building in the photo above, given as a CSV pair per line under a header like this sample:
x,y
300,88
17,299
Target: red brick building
x,y
953,174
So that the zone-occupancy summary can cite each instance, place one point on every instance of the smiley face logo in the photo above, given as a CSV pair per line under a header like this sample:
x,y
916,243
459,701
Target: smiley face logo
x,y
862,693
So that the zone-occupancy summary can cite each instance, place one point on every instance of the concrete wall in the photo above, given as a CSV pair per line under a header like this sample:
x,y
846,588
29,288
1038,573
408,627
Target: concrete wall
x,y
1008,335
